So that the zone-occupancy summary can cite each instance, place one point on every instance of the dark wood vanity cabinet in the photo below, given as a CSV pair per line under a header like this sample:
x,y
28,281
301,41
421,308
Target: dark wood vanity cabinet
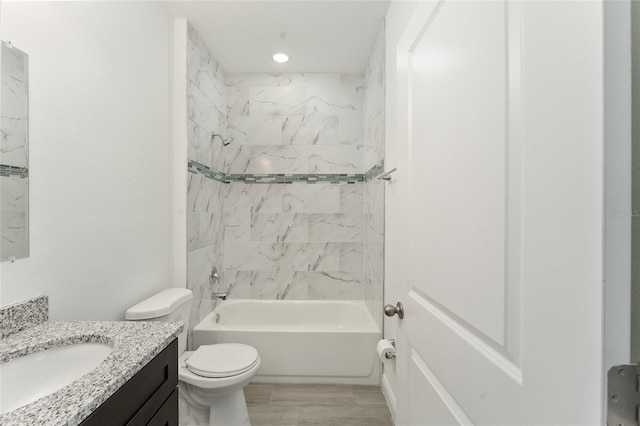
x,y
148,398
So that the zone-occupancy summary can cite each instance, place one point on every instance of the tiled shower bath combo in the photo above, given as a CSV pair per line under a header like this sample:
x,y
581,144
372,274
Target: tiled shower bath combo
x,y
292,208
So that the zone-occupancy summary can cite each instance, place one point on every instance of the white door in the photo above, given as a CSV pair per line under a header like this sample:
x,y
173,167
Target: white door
x,y
501,111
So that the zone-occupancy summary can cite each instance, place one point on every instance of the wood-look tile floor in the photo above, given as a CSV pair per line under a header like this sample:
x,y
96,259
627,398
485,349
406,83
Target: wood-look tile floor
x,y
301,405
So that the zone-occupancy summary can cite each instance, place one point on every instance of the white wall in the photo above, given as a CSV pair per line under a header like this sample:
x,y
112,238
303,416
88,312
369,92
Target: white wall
x,y
178,152
635,271
395,156
99,155
1,28
618,210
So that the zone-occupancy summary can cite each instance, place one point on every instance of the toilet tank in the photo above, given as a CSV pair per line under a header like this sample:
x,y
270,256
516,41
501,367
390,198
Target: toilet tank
x,y
170,305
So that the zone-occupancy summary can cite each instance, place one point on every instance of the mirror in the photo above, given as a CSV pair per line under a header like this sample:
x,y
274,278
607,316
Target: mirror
x,y
14,155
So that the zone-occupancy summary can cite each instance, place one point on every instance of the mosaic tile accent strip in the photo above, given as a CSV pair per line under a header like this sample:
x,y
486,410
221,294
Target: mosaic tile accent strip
x,y
201,169
374,171
294,178
8,171
197,168
22,315
134,343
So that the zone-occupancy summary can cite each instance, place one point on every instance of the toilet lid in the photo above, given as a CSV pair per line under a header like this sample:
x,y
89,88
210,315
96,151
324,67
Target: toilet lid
x,y
222,360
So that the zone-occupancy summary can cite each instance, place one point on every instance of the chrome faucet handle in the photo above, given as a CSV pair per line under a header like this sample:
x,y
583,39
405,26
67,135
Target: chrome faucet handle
x,y
214,273
213,276
222,296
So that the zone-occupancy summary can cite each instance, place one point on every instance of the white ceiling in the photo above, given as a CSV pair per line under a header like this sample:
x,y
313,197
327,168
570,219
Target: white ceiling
x,y
318,36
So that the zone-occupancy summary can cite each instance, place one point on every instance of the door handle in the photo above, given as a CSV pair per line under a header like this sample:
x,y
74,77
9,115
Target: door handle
x,y
390,310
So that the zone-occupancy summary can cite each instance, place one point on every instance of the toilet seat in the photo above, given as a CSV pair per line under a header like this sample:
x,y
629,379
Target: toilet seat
x,y
222,360
212,384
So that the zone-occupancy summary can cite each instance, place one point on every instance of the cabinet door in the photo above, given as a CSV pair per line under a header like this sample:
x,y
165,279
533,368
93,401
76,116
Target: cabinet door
x,y
168,413
138,400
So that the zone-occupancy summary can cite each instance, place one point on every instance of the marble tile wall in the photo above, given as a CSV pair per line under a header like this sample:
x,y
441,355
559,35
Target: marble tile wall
x,y
296,240
374,94
374,128
295,123
301,240
206,113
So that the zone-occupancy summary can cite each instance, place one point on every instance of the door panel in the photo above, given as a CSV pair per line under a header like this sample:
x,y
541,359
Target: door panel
x,y
504,290
434,404
463,182
458,81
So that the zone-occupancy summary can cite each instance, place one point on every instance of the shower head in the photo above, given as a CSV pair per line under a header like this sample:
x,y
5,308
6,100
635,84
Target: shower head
x,y
215,135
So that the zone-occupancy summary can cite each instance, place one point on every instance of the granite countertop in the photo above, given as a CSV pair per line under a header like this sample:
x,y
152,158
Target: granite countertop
x,y
135,343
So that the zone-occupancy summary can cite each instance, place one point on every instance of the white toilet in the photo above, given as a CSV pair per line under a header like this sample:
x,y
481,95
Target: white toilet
x,y
212,378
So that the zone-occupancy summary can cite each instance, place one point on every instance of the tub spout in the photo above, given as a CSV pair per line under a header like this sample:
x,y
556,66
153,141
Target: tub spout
x,y
222,296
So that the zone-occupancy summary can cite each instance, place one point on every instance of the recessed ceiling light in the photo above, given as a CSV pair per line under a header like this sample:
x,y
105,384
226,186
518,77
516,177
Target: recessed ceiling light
x,y
281,58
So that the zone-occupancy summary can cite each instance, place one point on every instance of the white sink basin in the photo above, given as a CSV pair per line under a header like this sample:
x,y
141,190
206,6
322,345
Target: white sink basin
x,y
29,378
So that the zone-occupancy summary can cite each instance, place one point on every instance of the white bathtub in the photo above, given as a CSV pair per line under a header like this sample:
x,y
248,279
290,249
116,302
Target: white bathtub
x,y
299,341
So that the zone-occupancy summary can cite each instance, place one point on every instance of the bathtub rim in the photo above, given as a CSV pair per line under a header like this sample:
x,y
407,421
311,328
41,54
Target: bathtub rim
x,y
208,322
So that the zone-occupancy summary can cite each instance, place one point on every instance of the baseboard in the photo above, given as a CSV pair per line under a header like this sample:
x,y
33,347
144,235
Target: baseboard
x,y
315,380
372,380
389,396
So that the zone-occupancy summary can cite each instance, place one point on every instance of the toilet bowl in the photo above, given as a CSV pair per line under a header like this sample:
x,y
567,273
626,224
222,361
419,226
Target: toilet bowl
x,y
223,394
211,378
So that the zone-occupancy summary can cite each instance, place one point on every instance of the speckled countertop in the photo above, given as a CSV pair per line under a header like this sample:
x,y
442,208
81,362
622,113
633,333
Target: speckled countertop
x,y
135,344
